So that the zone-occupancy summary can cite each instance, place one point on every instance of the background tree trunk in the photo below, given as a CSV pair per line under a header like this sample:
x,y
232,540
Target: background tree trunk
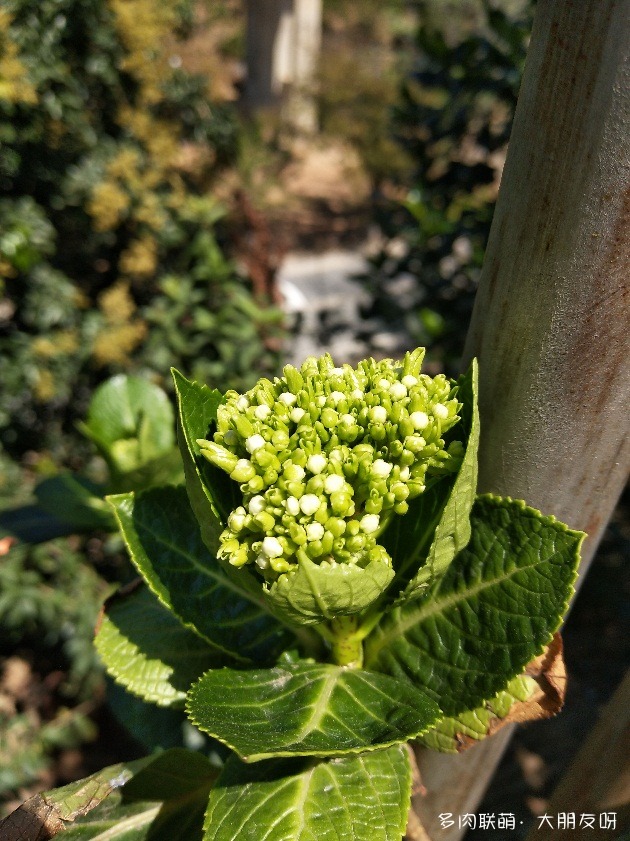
x,y
550,324
282,51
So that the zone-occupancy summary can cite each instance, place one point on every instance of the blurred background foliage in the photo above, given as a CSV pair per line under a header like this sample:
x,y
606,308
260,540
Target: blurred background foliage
x,y
108,232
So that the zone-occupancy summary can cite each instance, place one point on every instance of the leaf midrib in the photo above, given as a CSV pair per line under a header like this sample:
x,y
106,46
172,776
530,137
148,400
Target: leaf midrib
x,y
399,628
217,576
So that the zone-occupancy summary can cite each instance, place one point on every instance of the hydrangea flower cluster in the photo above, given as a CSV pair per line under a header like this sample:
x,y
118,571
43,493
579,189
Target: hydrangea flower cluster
x,y
326,455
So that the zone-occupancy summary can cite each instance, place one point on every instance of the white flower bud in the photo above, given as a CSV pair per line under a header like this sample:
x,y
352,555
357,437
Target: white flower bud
x,y
369,523
256,505
357,394
309,503
314,531
262,412
236,520
262,562
336,396
242,404
381,468
254,442
405,473
409,381
293,506
378,414
296,414
440,411
271,547
333,483
293,472
384,384
316,463
287,398
398,391
420,420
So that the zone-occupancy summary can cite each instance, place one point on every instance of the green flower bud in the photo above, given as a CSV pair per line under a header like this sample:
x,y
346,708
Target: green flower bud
x,y
218,455
325,456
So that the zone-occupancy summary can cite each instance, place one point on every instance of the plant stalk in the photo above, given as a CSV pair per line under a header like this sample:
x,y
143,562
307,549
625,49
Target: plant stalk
x,y
346,642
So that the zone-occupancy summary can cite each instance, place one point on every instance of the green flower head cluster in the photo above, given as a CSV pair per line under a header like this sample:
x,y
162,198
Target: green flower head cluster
x,y
326,455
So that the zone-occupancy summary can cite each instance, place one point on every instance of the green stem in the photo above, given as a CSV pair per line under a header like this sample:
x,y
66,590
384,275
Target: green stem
x,y
346,643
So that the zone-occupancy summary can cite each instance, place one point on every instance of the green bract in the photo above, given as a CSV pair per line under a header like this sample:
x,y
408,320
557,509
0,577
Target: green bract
x,y
326,588
324,458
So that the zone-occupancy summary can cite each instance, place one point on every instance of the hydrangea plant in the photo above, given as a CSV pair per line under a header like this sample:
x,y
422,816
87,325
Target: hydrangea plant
x,y
325,589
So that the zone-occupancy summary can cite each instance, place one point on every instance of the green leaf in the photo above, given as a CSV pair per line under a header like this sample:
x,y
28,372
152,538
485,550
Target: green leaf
x,y
47,814
437,525
314,593
450,733
147,650
31,524
174,773
212,494
495,609
358,798
131,421
167,469
159,798
154,728
197,412
165,545
307,709
75,501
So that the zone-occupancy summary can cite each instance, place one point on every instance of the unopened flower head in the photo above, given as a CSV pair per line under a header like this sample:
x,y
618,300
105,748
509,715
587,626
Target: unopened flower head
x,y
325,456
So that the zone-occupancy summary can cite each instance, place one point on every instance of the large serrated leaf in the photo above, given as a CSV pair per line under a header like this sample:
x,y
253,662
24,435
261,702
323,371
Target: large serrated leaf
x,y
307,709
359,798
314,593
437,525
165,545
148,651
494,610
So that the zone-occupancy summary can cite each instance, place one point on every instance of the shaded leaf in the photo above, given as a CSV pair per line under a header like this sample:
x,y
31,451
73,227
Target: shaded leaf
x,y
537,693
31,524
495,609
75,501
314,593
147,650
165,545
359,798
309,709
155,728
437,525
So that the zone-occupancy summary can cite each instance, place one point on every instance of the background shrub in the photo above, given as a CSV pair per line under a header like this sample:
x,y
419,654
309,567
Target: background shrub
x,y
108,150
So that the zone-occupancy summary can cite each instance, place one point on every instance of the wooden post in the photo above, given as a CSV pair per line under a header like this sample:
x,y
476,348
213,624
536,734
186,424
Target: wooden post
x,y
550,325
598,780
